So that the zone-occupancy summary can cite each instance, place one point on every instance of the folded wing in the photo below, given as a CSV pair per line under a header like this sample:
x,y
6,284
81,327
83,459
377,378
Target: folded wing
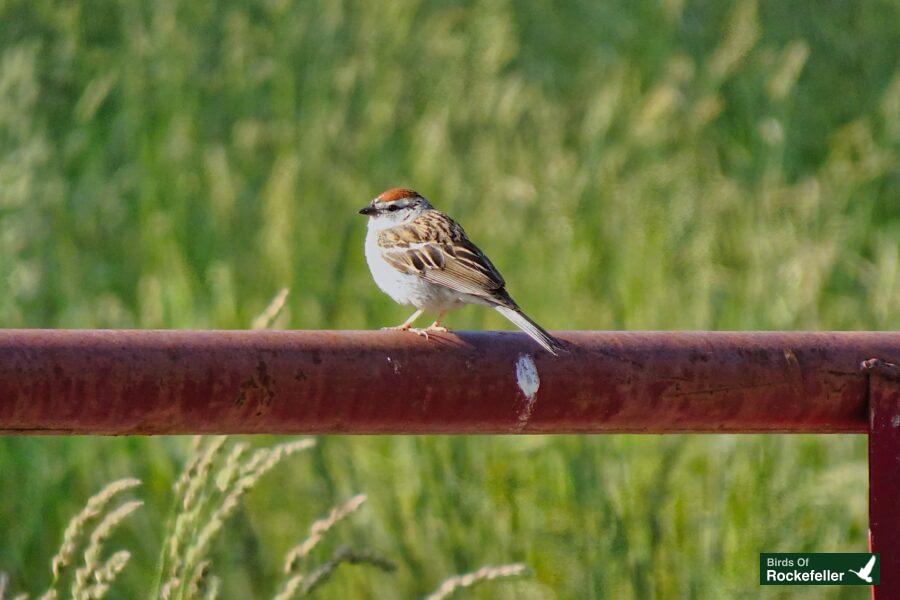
x,y
436,248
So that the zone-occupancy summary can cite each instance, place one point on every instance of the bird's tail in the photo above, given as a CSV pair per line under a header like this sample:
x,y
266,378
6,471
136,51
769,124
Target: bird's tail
x,y
535,331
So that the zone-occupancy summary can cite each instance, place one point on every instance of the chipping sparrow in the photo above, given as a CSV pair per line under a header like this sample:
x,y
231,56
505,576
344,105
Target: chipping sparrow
x,y
420,256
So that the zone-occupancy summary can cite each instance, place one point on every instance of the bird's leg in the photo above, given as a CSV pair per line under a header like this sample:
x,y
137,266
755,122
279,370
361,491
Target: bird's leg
x,y
436,327
408,323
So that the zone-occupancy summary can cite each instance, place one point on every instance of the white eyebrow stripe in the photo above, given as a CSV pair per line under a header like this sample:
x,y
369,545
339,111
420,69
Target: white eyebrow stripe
x,y
404,203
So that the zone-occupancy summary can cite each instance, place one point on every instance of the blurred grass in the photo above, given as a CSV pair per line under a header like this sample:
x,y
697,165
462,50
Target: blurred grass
x,y
659,165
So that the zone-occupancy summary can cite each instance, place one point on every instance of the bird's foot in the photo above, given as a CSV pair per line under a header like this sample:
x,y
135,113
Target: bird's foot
x,y
416,330
433,328
419,331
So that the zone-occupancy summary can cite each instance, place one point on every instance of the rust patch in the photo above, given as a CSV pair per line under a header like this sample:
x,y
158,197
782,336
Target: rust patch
x,y
257,389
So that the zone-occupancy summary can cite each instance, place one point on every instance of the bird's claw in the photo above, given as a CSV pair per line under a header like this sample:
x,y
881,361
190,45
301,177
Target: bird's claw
x,y
425,333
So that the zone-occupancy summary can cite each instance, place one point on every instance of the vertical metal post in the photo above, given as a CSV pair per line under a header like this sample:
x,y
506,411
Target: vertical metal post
x,y
884,473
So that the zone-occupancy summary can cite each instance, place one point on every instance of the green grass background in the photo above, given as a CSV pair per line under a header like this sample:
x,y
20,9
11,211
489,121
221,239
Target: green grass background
x,y
628,165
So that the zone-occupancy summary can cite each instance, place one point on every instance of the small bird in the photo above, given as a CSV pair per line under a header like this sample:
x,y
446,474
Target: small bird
x,y
420,256
866,572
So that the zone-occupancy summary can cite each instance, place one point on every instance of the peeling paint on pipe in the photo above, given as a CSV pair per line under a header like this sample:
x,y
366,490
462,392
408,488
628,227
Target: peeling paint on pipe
x,y
156,382
529,383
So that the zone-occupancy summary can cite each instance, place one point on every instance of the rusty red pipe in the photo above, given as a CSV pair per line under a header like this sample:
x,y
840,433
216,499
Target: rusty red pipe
x,y
161,382
884,474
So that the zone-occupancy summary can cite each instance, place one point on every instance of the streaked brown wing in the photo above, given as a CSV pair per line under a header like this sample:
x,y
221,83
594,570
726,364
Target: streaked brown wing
x,y
436,248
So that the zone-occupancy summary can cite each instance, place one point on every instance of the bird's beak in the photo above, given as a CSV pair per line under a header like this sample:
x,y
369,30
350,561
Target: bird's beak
x,y
367,210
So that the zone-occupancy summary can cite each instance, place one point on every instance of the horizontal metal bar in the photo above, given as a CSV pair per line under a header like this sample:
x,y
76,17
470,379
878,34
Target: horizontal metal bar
x,y
154,382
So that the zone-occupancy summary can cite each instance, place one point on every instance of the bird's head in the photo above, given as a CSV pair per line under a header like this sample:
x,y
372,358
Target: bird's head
x,y
394,206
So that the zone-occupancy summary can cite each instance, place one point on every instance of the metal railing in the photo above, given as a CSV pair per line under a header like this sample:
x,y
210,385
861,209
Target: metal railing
x,y
167,382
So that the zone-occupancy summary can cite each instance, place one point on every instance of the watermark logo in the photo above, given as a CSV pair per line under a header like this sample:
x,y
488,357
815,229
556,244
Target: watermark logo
x,y
818,568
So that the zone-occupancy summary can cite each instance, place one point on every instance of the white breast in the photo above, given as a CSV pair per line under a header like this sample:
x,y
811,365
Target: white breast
x,y
391,281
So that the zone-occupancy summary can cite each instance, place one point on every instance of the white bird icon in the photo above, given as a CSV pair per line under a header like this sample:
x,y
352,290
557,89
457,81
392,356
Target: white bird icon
x,y
866,572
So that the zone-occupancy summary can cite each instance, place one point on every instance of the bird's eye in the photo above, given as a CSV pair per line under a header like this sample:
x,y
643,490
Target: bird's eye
x,y
393,207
